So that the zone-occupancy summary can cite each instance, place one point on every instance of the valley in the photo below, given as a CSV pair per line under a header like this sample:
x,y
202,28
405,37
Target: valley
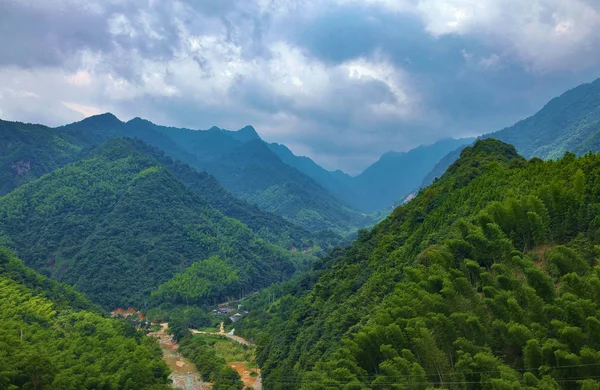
x,y
486,276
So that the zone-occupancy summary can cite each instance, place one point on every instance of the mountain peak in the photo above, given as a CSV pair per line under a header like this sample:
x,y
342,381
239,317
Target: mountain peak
x,y
137,121
106,119
477,158
245,134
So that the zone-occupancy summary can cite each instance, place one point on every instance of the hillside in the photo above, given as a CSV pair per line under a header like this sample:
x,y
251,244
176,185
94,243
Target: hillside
x,y
242,164
487,279
53,338
118,224
395,175
29,151
569,122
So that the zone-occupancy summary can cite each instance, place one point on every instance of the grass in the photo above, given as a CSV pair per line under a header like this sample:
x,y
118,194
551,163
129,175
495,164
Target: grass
x,y
229,349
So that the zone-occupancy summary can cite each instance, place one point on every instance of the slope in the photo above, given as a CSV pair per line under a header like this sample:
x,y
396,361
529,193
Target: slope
x,y
242,164
118,224
256,174
487,279
395,175
28,151
269,226
51,337
566,123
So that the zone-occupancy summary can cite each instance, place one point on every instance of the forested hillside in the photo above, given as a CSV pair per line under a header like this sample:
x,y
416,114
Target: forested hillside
x,y
53,338
29,151
118,224
242,163
487,279
269,226
568,123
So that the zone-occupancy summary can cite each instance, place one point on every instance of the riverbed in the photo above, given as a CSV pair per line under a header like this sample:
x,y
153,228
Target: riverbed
x,y
184,374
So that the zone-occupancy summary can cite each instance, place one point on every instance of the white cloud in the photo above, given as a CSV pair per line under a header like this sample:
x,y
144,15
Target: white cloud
x,y
543,35
85,111
217,62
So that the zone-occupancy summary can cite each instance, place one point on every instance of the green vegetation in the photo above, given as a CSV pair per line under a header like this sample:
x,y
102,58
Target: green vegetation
x,y
29,151
487,279
229,350
242,163
268,226
569,122
53,338
212,367
118,224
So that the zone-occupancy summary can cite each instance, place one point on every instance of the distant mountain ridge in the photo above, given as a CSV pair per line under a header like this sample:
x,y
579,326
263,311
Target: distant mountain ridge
x,y
30,151
567,123
242,163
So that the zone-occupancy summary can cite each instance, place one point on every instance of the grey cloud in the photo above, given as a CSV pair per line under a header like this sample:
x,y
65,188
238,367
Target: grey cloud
x,y
460,83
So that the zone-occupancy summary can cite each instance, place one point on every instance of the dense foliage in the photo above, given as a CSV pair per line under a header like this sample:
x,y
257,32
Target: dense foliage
x,y
29,151
212,367
49,341
568,123
242,163
118,224
487,279
269,226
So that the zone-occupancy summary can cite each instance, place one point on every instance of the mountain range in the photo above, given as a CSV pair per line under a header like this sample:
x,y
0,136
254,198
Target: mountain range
x,y
488,277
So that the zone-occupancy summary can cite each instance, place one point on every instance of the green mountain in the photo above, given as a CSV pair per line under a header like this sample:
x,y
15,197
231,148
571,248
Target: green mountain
x,y
242,163
395,175
118,224
382,184
30,151
489,278
568,123
53,338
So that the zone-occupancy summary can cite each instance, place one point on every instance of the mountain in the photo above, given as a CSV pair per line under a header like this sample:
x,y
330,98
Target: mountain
x,y
395,174
487,279
340,184
383,183
569,122
29,151
53,338
242,163
269,226
118,224
39,150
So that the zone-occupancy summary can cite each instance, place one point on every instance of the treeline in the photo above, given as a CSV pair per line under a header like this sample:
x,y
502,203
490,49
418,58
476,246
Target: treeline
x,y
487,279
47,340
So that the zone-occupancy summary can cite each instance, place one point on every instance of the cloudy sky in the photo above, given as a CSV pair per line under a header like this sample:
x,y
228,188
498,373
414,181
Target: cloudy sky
x,y
341,81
